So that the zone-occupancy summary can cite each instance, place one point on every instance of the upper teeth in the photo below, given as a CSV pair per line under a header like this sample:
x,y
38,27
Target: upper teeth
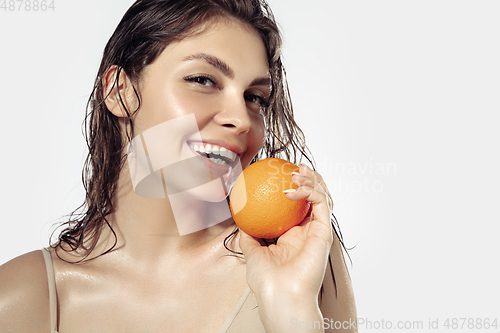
x,y
215,150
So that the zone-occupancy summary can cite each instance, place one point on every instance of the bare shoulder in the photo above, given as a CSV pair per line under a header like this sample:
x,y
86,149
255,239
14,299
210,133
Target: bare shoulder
x,y
24,294
337,304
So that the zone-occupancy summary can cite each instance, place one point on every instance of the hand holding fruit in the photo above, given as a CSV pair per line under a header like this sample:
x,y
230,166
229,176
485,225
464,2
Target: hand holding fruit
x,y
297,262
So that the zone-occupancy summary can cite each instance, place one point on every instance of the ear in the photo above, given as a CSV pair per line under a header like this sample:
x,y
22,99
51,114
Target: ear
x,y
123,85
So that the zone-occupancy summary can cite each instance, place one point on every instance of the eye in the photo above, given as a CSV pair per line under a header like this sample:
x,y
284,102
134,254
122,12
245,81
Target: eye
x,y
203,80
256,99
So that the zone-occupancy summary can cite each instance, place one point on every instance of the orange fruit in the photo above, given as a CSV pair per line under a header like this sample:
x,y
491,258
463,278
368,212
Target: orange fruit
x,y
258,204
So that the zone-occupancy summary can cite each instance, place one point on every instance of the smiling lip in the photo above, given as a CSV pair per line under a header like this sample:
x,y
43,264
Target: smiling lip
x,y
219,165
219,156
234,149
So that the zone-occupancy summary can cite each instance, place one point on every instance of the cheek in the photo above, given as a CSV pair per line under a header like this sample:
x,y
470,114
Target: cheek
x,y
167,101
181,103
187,102
157,106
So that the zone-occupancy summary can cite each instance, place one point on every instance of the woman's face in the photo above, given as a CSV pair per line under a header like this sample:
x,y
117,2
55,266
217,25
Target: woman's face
x,y
220,77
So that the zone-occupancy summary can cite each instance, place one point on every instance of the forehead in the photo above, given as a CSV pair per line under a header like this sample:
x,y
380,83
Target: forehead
x,y
230,40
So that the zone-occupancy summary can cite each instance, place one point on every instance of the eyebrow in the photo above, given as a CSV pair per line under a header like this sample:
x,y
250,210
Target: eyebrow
x,y
261,81
214,61
224,67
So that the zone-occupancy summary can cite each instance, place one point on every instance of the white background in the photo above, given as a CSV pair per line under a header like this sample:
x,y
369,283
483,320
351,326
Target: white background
x,y
397,100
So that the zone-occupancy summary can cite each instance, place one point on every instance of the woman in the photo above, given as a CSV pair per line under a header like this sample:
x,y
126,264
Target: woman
x,y
125,265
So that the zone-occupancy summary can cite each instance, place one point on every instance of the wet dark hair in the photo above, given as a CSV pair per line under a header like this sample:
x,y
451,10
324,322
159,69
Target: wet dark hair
x,y
140,37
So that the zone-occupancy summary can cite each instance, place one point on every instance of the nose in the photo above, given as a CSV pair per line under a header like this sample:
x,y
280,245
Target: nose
x,y
234,115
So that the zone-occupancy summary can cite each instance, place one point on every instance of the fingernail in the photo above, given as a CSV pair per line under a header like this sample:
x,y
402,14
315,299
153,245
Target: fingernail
x,y
296,173
291,190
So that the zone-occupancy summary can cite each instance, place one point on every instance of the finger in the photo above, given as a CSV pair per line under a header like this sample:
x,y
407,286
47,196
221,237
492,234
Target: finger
x,y
315,197
316,178
247,243
319,183
308,172
319,220
301,180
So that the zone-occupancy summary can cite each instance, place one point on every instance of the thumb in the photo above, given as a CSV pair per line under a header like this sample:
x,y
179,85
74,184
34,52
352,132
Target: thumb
x,y
247,243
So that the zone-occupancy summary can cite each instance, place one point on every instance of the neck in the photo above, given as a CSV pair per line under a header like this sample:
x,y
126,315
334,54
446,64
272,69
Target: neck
x,y
148,229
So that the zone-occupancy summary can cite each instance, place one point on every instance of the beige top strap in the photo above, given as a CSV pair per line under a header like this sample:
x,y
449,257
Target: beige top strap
x,y
245,316
236,309
52,289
